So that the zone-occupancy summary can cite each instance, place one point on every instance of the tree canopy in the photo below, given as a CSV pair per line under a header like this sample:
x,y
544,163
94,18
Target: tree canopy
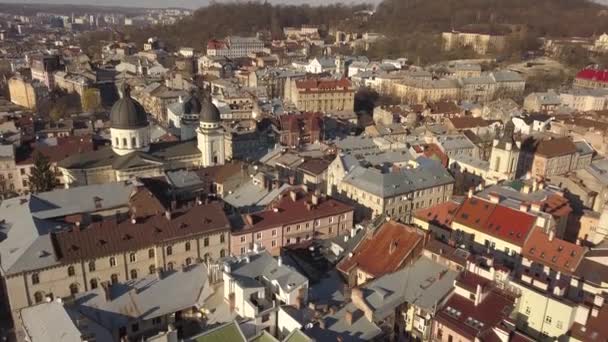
x,y
43,177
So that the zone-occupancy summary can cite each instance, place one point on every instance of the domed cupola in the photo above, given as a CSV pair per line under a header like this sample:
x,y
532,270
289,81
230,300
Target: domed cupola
x,y
193,105
129,127
209,115
127,113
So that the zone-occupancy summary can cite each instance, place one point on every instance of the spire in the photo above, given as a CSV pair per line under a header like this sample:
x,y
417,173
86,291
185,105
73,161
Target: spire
x,y
125,89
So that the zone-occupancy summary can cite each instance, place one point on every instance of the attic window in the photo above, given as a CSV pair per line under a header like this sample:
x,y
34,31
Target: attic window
x,y
532,250
102,242
573,253
554,259
560,248
518,235
542,255
464,215
127,237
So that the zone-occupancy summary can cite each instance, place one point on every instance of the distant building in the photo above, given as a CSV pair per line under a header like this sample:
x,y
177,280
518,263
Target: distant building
x,y
294,218
25,93
234,47
601,43
545,102
591,78
323,95
43,68
480,42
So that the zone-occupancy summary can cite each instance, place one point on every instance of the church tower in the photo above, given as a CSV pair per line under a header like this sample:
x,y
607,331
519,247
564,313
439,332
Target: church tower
x,y
210,134
129,127
505,153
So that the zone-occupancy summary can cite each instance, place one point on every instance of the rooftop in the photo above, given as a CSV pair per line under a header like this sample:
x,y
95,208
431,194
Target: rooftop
x,y
384,250
558,254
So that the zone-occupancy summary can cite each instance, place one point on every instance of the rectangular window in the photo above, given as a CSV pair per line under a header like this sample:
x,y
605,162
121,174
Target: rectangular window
x,y
243,239
274,243
274,232
206,242
258,236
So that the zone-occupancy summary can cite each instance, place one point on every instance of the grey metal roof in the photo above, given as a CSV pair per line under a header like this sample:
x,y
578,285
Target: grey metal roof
x,y
209,112
423,284
455,142
599,170
127,113
146,298
250,194
54,321
583,147
336,325
400,182
105,157
22,237
246,269
29,219
49,322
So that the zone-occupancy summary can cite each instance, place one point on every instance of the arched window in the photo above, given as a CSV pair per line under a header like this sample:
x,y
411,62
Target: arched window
x,y
152,269
71,271
74,289
151,253
169,250
114,278
188,246
38,297
133,274
133,142
124,142
188,261
91,266
222,253
112,262
93,284
132,257
170,266
35,278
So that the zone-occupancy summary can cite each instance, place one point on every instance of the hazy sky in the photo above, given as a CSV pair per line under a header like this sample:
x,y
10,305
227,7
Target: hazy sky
x,y
169,3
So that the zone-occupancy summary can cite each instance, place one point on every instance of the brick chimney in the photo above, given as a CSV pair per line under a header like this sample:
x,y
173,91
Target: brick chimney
x,y
494,197
349,317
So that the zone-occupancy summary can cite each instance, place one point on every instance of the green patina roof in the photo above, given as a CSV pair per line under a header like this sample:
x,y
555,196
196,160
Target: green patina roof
x,y
264,337
226,333
297,336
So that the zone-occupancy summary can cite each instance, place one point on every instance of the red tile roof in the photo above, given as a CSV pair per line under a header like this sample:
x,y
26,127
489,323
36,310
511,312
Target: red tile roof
x,y
66,146
499,221
559,255
474,213
372,255
285,211
593,75
470,122
460,314
558,206
216,44
550,148
510,225
596,328
110,236
434,152
439,215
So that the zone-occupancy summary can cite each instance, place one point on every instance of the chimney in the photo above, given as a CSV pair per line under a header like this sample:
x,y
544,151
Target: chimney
x,y
528,175
392,247
523,206
168,215
494,197
106,290
293,195
315,199
535,206
470,193
551,234
349,317
478,295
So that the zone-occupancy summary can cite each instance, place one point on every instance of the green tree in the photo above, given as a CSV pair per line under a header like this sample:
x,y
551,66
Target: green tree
x,y
91,100
43,177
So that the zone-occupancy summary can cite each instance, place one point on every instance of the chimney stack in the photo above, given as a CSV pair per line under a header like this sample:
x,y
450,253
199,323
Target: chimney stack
x,y
293,195
349,317
494,197
551,234
523,206
470,193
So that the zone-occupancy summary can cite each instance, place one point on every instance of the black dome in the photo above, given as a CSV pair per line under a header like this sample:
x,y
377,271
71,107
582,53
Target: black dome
x,y
127,113
192,106
209,112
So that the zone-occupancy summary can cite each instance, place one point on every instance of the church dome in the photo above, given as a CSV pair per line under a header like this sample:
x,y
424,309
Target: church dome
x,y
127,113
209,112
193,105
